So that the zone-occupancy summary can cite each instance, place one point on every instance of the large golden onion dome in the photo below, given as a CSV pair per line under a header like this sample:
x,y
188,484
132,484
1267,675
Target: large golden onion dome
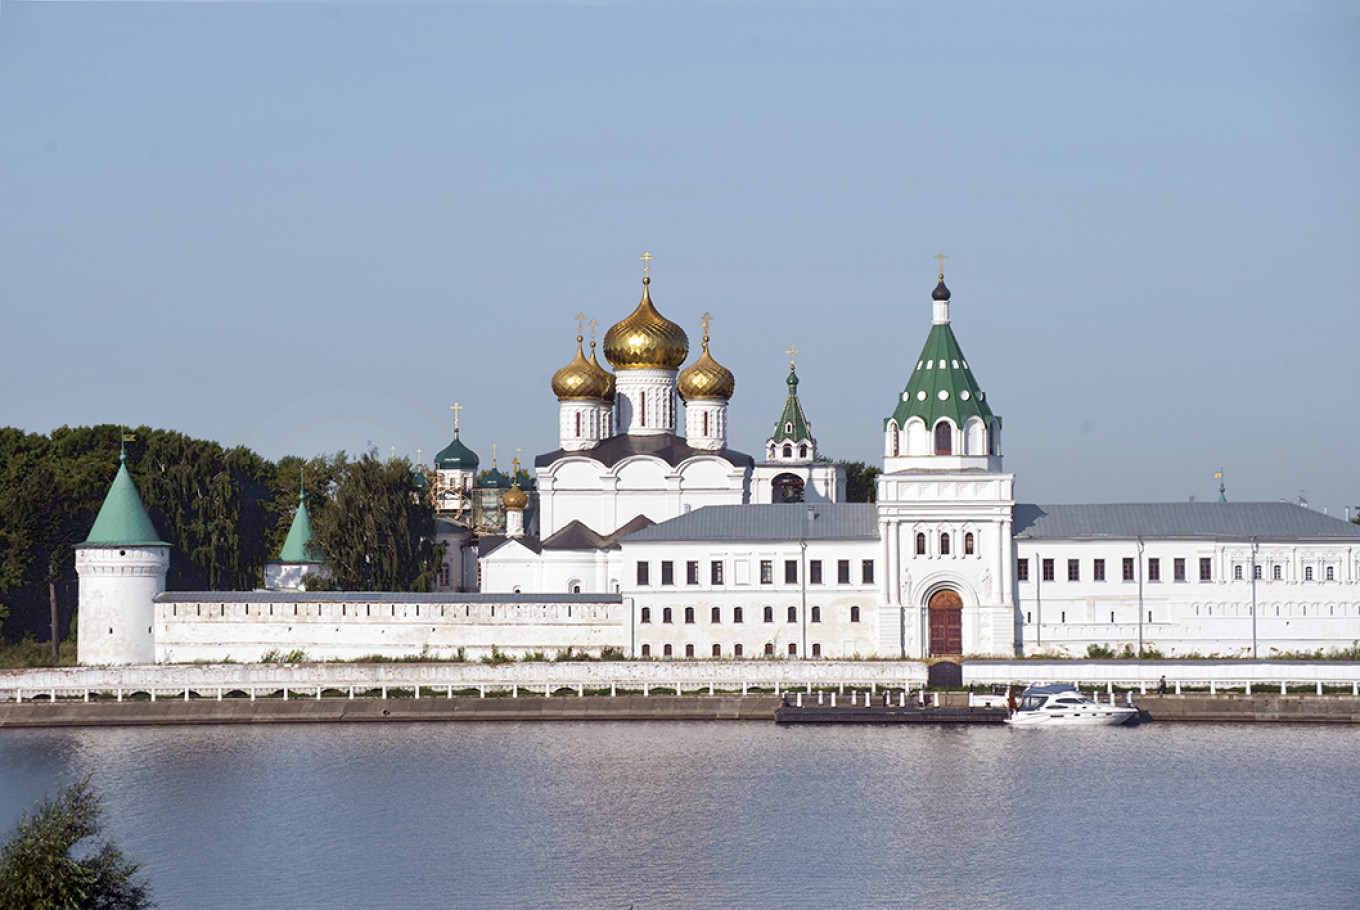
x,y
706,378
646,339
583,380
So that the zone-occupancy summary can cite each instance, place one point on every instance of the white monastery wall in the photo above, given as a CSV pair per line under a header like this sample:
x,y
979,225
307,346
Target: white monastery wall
x,y
348,626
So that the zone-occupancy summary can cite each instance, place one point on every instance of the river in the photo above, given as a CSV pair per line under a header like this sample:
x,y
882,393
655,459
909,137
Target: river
x,y
739,815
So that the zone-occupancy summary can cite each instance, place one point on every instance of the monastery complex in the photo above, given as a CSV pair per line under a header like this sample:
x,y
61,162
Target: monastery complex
x,y
635,537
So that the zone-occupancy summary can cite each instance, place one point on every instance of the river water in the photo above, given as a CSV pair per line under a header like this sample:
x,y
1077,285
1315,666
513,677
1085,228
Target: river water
x,y
740,815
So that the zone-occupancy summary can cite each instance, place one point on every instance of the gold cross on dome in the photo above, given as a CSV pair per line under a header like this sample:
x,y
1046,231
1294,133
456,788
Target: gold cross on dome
x,y
393,456
580,323
593,324
420,461
517,451
646,259
455,408
493,456
708,317
941,257
793,354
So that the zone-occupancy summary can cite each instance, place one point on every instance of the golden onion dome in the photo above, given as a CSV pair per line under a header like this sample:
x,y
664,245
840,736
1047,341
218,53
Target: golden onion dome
x,y
706,378
582,380
610,381
515,499
646,339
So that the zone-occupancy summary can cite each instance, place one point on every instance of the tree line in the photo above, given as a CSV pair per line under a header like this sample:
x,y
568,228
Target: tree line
x,y
224,512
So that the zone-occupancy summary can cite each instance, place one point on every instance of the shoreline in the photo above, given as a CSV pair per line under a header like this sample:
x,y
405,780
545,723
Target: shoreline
x,y
1186,708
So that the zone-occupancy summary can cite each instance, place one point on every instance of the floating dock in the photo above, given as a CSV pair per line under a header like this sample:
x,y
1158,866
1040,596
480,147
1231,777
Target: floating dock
x,y
878,714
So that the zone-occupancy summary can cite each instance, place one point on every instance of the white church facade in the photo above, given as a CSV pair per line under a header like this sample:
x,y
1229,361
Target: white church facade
x,y
635,538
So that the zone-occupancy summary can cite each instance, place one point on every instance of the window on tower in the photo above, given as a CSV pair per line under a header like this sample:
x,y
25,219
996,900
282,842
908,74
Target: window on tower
x,y
920,545
944,544
944,438
968,544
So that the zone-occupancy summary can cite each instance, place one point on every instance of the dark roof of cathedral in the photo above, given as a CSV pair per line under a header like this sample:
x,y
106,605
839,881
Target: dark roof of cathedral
x,y
782,521
493,542
571,536
668,447
1179,520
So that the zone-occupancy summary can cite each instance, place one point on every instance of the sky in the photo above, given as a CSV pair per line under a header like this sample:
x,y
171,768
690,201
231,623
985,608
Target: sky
x,y
313,226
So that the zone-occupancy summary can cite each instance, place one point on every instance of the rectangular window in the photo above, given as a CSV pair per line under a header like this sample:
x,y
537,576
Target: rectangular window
x,y
737,615
1178,569
1074,570
842,571
1048,570
644,571
815,572
1205,569
1022,570
866,572
1307,573
790,571
1237,573
1331,575
1128,568
767,571
1154,570
692,572
715,572
1098,569
667,572
1256,572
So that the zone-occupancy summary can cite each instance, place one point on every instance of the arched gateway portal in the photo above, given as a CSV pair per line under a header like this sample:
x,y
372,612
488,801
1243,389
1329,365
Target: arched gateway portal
x,y
946,623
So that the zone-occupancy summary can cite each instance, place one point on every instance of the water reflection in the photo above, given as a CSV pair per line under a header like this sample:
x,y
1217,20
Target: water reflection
x,y
717,815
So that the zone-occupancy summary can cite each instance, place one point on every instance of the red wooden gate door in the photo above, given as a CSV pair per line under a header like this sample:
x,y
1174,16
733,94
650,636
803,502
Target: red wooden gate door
x,y
946,623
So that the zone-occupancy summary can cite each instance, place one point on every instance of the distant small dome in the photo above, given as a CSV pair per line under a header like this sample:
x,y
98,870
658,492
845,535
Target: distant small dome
x,y
646,339
706,379
456,456
941,292
494,480
583,380
515,499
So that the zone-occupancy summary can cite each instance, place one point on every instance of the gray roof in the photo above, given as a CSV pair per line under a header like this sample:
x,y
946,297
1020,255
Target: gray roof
x,y
1179,520
311,597
784,521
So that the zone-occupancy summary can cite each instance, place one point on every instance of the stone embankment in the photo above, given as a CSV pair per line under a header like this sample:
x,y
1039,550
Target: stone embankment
x,y
1237,708
385,710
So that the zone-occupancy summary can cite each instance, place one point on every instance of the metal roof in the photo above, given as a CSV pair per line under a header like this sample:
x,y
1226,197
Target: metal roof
x,y
311,597
1179,520
122,519
784,521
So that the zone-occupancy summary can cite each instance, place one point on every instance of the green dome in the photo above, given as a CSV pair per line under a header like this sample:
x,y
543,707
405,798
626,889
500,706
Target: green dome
x,y
455,456
122,519
494,480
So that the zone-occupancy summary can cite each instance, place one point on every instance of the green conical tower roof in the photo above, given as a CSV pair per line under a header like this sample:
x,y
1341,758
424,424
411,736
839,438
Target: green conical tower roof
x,y
122,520
942,385
792,425
298,546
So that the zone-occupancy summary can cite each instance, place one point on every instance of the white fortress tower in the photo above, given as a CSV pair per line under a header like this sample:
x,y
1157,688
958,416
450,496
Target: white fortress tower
x,y
122,567
945,511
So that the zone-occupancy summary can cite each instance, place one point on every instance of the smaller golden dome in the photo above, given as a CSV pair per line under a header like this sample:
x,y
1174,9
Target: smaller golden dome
x,y
646,339
706,378
515,499
582,380
609,377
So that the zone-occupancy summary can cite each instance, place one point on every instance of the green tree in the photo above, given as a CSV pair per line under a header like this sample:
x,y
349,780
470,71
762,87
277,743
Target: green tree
x,y
58,859
860,481
376,532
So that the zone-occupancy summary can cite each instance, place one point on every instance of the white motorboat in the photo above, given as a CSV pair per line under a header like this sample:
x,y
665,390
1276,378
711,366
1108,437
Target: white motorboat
x,y
1064,706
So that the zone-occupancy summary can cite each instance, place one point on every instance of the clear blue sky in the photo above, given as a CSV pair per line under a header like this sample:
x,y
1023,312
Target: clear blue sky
x,y
308,227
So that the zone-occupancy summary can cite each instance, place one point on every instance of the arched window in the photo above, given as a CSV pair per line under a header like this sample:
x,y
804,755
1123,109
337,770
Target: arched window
x,y
854,614
991,439
705,432
646,614
944,438
578,424
717,615
788,450
816,614
802,451
787,488
769,649
666,615
689,650
667,651
576,589
816,649
944,544
717,650
689,614
968,544
736,650
769,614
737,614
920,545
893,442
646,650
793,650
642,416
793,614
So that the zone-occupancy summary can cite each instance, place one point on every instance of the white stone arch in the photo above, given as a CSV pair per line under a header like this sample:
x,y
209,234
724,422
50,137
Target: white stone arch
x,y
918,437
934,582
974,437
575,585
955,436
892,439
641,472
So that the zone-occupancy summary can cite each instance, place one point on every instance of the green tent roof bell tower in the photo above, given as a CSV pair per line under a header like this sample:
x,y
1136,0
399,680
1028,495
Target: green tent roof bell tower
x,y
298,546
122,519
